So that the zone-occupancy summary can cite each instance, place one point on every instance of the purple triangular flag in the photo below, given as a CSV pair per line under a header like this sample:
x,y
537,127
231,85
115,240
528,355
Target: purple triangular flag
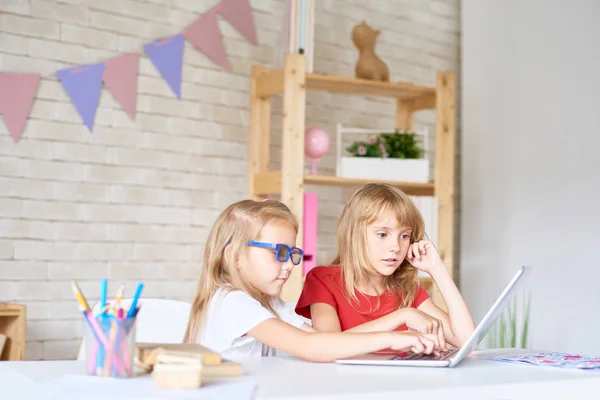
x,y
167,57
83,84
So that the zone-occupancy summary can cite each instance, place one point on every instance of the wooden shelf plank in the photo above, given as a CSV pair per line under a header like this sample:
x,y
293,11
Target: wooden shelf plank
x,y
410,188
269,182
271,82
339,84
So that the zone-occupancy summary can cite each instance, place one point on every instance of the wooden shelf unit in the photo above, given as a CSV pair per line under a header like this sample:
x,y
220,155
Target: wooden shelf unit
x,y
292,82
12,324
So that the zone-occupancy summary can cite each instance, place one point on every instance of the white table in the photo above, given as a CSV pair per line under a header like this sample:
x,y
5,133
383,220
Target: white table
x,y
290,378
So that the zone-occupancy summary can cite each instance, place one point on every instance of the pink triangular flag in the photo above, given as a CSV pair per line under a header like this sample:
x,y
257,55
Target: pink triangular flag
x,y
204,34
120,77
16,98
239,14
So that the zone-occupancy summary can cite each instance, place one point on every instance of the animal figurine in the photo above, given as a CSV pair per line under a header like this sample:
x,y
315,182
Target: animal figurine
x,y
368,66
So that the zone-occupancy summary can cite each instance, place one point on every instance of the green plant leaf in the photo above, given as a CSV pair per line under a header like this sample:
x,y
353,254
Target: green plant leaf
x,y
506,331
525,332
513,325
492,336
502,331
398,144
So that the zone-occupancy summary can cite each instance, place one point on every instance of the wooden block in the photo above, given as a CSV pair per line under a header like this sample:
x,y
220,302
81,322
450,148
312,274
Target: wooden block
x,y
209,357
169,376
177,370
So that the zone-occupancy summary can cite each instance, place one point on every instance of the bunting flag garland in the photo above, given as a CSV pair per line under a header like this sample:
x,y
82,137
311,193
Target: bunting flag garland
x,y
84,83
167,57
16,99
205,36
239,14
120,78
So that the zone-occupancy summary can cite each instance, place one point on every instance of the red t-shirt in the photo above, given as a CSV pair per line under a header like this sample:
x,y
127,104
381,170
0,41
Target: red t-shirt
x,y
324,284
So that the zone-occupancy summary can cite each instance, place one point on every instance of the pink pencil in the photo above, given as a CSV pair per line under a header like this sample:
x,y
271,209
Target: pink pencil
x,y
92,360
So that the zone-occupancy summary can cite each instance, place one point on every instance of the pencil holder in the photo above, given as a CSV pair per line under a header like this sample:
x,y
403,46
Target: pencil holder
x,y
109,345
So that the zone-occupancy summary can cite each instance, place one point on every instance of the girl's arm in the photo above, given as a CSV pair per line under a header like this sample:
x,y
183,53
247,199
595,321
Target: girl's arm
x,y
458,323
310,345
325,319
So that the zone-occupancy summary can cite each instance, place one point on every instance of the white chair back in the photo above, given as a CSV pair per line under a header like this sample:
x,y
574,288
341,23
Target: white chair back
x,y
158,321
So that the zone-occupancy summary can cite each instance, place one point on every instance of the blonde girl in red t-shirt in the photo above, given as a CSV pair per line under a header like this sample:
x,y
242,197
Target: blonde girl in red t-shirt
x,y
249,254
372,284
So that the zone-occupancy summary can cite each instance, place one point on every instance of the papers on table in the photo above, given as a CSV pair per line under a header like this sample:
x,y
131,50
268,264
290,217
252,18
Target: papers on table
x,y
553,359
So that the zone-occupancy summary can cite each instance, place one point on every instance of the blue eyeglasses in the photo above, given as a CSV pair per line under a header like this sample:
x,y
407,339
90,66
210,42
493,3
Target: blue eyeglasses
x,y
283,252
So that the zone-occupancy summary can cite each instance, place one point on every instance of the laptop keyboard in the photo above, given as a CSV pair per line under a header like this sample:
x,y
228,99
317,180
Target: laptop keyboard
x,y
415,356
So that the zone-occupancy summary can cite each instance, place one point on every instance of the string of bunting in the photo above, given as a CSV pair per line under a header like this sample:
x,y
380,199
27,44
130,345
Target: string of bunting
x,y
84,83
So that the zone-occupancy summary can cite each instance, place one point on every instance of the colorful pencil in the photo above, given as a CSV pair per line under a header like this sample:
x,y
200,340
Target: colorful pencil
x,y
119,298
79,296
136,297
103,290
110,349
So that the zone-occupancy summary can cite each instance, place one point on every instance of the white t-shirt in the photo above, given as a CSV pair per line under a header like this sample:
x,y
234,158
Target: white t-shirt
x,y
231,314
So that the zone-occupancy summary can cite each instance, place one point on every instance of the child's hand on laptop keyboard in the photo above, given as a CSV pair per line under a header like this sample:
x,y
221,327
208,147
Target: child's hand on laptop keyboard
x,y
422,322
415,342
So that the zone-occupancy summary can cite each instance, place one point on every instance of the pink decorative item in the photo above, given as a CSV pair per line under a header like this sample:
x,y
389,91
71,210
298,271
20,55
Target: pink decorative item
x,y
17,92
309,231
120,78
316,145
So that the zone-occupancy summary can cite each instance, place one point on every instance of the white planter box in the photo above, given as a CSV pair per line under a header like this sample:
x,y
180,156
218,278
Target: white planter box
x,y
389,169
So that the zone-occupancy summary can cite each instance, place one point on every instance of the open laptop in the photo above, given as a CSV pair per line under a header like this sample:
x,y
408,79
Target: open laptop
x,y
453,357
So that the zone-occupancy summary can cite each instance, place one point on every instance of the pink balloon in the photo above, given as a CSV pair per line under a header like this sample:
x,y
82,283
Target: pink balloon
x,y
316,142
316,145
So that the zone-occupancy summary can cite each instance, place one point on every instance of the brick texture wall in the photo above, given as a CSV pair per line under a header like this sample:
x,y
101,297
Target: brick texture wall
x,y
134,200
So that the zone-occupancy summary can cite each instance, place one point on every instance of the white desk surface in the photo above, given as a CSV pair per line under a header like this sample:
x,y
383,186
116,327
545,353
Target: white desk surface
x,y
290,378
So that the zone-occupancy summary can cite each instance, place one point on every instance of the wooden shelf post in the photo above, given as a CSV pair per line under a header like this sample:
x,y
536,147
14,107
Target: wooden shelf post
x,y
404,114
292,160
445,143
260,132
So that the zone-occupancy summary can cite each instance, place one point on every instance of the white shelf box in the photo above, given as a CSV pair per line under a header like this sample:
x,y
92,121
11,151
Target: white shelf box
x,y
391,169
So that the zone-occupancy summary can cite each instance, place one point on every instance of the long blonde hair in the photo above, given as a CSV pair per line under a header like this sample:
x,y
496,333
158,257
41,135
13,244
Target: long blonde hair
x,y
239,223
363,208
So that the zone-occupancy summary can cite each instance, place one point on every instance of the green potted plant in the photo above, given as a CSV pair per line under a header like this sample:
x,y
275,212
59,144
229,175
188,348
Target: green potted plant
x,y
511,330
397,156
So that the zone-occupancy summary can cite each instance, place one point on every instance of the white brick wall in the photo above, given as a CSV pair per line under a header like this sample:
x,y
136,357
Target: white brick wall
x,y
134,200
